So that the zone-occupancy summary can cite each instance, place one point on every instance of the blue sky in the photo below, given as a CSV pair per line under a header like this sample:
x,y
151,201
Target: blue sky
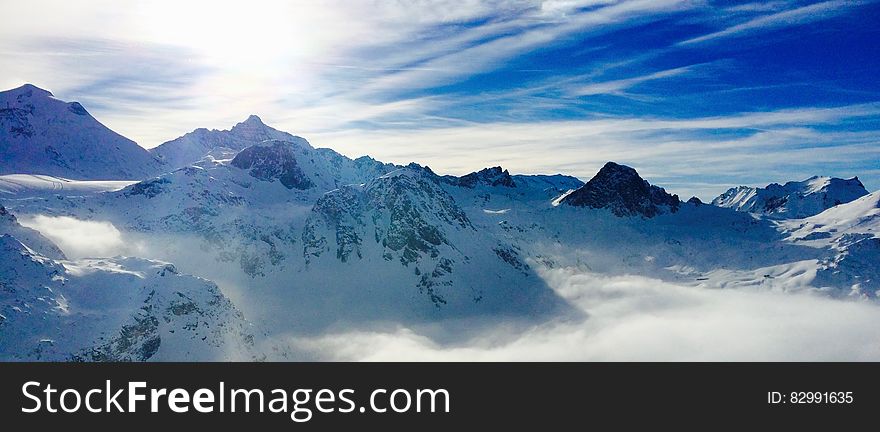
x,y
697,95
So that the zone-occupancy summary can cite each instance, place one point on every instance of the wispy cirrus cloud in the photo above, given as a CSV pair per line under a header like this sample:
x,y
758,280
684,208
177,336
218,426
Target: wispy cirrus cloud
x,y
790,17
479,57
550,86
617,87
700,156
766,6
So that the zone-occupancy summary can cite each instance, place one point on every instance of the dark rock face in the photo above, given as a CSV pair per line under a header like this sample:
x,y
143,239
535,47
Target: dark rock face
x,y
137,341
271,162
148,188
406,212
621,189
343,211
695,201
77,108
19,125
414,206
495,176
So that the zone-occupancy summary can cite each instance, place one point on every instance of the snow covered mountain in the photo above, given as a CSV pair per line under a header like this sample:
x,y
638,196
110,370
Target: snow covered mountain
x,y
852,232
859,216
624,226
302,239
304,242
794,199
327,168
119,309
43,135
405,223
219,144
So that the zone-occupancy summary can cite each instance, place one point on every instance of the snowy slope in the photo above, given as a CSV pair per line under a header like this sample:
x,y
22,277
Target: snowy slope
x,y
119,309
329,225
30,185
793,199
43,135
859,216
852,232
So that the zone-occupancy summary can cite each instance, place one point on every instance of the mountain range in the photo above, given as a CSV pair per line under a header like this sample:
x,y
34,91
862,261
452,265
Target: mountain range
x,y
284,238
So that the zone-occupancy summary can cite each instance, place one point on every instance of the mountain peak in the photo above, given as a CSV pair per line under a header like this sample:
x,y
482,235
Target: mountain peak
x,y
194,146
29,90
612,167
253,124
41,134
621,189
493,176
252,121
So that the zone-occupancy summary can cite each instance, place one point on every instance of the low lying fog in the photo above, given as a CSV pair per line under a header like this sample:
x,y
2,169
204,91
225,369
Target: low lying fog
x,y
627,318
633,318
80,238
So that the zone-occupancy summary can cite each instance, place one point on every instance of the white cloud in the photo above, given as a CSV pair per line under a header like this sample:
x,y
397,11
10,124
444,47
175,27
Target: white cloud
x,y
633,318
345,74
791,17
617,87
481,57
758,7
784,144
80,238
221,61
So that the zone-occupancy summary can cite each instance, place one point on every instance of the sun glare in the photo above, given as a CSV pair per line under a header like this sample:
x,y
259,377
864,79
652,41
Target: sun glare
x,y
237,35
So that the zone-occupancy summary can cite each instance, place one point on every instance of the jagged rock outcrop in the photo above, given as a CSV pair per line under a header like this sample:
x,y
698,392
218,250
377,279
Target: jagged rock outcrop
x,y
407,212
273,160
620,189
494,176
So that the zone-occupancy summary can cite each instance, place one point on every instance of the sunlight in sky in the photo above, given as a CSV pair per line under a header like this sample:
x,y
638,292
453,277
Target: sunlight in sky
x,y
240,36
404,81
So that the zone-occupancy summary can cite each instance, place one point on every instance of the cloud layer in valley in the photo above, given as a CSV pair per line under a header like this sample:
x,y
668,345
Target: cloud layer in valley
x,y
632,318
82,239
